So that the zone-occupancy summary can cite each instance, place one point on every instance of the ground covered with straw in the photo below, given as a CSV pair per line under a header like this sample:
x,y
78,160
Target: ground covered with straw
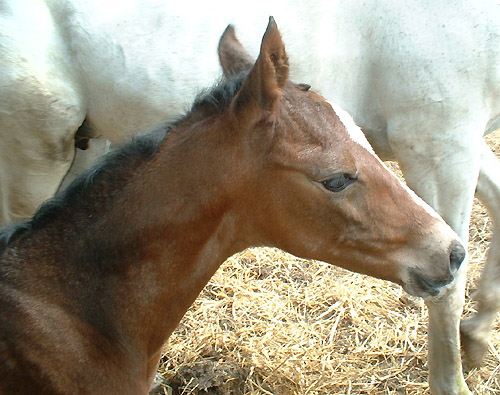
x,y
269,323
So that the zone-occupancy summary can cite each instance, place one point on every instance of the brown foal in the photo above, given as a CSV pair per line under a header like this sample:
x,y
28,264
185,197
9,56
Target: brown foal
x,y
93,285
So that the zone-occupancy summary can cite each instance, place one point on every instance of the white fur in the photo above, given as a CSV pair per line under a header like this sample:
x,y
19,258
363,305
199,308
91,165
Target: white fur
x,y
354,130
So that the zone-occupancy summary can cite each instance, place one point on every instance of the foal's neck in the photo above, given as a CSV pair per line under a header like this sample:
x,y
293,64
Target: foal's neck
x,y
154,244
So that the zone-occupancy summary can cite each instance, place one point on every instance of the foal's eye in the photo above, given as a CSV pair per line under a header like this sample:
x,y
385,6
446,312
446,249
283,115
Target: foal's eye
x,y
339,182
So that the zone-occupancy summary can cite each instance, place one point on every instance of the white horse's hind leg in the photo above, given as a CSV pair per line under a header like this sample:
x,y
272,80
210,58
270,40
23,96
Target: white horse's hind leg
x,y
37,145
28,178
41,107
443,170
475,331
37,130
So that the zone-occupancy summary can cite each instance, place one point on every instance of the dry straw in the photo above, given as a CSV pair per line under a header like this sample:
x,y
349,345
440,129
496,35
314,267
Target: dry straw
x,y
269,323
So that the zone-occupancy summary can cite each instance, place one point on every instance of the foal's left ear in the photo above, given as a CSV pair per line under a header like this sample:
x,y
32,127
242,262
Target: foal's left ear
x,y
233,57
259,95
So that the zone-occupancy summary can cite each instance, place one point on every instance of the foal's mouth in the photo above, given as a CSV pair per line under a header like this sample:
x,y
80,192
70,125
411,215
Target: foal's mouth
x,y
425,286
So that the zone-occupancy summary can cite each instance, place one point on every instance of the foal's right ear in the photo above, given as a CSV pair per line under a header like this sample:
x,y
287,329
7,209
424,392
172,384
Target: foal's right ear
x,y
232,56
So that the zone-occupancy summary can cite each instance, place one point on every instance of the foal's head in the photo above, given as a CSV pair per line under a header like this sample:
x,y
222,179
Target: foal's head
x,y
317,190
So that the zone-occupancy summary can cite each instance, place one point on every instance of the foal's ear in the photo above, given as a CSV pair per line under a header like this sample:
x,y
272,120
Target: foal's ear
x,y
232,56
260,93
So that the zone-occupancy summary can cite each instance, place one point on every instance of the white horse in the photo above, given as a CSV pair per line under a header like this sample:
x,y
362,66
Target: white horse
x,y
421,78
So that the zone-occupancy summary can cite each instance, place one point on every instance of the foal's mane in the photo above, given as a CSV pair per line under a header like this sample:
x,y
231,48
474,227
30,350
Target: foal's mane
x,y
218,98
121,161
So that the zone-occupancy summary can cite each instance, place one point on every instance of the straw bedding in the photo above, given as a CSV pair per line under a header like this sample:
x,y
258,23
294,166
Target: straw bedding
x,y
269,323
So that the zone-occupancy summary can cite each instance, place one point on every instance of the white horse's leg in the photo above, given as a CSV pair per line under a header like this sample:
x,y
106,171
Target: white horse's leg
x,y
475,331
445,365
37,146
443,170
28,176
41,108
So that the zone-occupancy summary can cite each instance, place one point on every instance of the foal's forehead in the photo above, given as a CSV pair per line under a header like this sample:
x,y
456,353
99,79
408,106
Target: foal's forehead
x,y
348,130
320,138
354,130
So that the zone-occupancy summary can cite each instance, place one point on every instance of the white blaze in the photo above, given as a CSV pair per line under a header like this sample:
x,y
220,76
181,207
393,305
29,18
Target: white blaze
x,y
354,130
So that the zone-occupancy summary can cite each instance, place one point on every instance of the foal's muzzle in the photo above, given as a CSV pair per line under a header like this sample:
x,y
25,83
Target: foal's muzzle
x,y
430,285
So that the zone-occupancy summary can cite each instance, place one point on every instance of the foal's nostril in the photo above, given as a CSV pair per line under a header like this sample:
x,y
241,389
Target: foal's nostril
x,y
457,256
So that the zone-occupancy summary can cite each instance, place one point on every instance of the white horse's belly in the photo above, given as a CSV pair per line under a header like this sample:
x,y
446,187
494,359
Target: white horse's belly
x,y
144,65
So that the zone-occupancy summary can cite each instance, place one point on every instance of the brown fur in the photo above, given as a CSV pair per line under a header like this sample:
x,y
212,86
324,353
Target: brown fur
x,y
234,58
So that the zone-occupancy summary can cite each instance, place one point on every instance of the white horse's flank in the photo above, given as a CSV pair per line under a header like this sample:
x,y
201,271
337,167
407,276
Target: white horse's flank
x,y
421,78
